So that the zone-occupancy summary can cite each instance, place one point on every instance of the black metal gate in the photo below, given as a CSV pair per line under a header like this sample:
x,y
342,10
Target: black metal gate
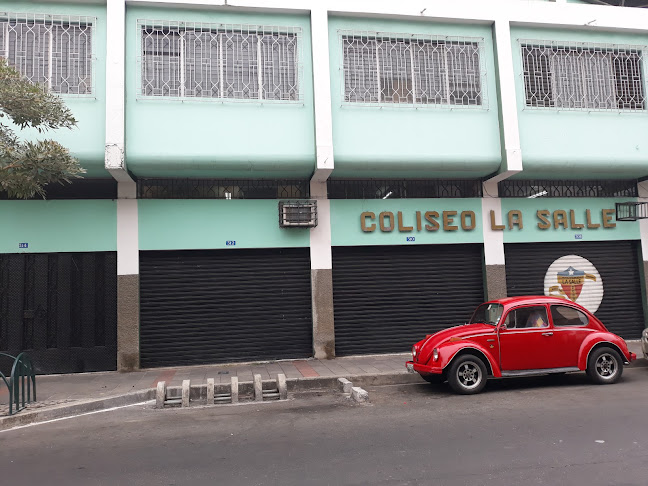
x,y
61,308
386,298
228,305
617,262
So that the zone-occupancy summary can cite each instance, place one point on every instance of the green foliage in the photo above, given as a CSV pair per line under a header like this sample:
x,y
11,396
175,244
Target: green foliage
x,y
27,167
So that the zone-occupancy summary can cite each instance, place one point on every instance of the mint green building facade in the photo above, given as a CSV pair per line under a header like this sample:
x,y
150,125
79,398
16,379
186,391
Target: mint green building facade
x,y
290,182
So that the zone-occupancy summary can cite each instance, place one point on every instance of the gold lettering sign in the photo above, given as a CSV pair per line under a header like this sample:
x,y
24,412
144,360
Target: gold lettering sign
x,y
382,217
450,220
465,215
363,222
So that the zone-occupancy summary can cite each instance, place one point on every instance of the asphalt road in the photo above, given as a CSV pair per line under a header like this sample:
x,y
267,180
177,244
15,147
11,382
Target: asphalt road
x,y
549,431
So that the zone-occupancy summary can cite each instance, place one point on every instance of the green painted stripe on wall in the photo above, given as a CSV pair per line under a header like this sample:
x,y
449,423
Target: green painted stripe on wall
x,y
58,226
211,224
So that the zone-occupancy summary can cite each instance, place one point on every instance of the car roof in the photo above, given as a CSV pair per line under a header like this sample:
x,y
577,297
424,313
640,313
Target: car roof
x,y
532,299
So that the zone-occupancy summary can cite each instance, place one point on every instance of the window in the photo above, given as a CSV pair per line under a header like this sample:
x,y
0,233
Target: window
x,y
563,315
487,314
215,61
417,71
52,50
527,317
581,76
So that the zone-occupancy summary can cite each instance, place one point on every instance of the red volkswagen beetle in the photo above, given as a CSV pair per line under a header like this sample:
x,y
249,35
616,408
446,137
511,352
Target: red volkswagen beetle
x,y
521,336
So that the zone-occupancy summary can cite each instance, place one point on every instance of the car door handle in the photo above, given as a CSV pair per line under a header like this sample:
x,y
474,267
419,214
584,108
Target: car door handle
x,y
547,333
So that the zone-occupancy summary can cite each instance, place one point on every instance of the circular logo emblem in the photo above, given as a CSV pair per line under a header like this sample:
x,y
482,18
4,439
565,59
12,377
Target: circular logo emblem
x,y
574,278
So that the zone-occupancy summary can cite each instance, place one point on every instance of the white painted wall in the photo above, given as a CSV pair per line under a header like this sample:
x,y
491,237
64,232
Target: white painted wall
x,y
127,237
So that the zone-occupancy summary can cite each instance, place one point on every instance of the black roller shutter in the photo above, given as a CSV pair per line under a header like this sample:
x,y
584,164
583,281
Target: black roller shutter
x,y
60,308
386,298
230,305
621,309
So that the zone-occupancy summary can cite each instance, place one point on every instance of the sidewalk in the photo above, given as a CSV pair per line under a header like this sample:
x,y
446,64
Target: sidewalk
x,y
57,389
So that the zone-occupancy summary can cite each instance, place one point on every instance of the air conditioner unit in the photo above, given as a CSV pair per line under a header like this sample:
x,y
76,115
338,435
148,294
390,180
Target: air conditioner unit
x,y
298,214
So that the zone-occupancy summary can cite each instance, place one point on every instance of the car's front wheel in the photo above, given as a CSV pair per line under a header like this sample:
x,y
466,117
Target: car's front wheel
x,y
604,366
467,375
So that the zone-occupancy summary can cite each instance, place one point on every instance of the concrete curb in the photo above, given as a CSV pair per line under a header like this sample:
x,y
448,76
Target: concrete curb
x,y
293,385
70,409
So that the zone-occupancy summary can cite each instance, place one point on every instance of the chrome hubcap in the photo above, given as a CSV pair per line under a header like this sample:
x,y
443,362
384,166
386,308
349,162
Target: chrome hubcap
x,y
469,374
606,366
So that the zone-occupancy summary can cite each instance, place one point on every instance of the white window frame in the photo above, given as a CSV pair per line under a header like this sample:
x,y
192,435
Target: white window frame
x,y
220,30
414,103
49,20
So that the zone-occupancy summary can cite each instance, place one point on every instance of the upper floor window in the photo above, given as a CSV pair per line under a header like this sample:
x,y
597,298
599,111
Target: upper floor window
x,y
583,76
220,61
417,70
52,50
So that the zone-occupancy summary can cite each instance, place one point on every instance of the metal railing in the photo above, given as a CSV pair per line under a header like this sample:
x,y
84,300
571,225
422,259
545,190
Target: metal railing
x,y
567,188
22,371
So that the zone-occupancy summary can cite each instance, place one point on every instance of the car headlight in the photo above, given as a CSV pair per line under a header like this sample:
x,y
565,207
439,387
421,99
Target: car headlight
x,y
435,354
414,351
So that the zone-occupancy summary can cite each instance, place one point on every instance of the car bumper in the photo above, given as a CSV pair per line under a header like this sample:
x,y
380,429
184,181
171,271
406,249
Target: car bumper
x,y
422,369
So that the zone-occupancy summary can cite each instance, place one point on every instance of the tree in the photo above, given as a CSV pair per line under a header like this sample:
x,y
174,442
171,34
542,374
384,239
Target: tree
x,y
27,167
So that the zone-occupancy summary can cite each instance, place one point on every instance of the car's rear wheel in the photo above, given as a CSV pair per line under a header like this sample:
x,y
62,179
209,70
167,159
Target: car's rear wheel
x,y
467,375
604,366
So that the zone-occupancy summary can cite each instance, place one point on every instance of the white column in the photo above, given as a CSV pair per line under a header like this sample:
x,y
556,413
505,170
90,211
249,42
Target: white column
x,y
510,132
322,94
115,73
494,260
115,163
320,236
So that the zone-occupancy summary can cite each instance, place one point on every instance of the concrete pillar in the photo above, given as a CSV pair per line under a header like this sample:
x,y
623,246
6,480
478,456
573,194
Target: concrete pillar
x,y
115,163
494,262
320,237
128,358
322,277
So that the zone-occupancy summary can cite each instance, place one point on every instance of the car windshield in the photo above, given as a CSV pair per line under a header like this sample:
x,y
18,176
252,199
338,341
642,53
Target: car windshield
x,y
488,314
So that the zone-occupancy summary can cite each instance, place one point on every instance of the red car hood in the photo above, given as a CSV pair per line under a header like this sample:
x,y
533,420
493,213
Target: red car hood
x,y
434,341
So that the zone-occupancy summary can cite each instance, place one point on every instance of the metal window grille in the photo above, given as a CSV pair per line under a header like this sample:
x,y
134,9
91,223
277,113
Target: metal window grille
x,y
544,188
298,214
54,51
631,211
413,69
222,189
403,189
215,61
575,76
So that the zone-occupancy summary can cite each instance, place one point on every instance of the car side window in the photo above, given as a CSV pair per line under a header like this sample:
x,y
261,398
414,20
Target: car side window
x,y
563,315
527,317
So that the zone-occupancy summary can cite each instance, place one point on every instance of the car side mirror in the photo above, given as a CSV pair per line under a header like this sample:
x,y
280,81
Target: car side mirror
x,y
503,326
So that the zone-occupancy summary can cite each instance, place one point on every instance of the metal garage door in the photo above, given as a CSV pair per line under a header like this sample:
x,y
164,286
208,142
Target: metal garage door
x,y
229,305
61,308
386,298
613,279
